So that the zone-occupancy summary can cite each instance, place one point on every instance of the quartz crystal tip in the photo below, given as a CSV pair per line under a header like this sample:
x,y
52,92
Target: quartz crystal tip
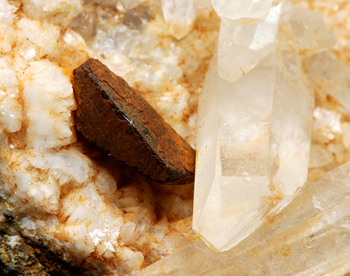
x,y
122,124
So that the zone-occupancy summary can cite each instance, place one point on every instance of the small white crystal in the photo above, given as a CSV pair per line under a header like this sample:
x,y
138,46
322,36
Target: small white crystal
x,y
326,123
48,98
180,14
330,76
10,108
311,34
7,12
57,11
9,36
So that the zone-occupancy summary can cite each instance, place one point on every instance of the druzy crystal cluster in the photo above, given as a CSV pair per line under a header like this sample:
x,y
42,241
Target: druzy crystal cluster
x,y
274,111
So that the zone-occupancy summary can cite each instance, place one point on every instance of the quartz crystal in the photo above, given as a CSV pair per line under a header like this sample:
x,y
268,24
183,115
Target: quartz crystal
x,y
309,237
242,47
333,79
250,11
254,139
180,14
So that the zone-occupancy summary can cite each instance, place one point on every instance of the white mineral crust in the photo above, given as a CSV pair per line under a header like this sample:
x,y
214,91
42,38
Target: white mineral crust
x,y
254,139
57,11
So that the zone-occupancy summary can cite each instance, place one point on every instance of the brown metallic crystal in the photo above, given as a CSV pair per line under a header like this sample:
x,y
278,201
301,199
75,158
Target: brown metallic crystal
x,y
121,123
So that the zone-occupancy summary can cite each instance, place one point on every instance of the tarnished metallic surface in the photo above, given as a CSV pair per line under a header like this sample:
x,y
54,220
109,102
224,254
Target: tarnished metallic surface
x,y
123,124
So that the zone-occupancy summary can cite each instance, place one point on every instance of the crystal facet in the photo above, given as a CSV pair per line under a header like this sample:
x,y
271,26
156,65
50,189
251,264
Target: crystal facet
x,y
246,45
256,131
180,14
249,11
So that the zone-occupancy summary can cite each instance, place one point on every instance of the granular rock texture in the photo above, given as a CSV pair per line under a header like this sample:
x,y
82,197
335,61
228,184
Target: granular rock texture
x,y
18,258
124,125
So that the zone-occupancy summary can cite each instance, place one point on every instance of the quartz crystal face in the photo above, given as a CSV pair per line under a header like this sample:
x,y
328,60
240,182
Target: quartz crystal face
x,y
180,14
246,45
254,135
250,11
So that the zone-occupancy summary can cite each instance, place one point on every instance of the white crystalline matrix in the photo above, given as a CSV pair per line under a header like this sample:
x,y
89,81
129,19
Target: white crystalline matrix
x,y
254,133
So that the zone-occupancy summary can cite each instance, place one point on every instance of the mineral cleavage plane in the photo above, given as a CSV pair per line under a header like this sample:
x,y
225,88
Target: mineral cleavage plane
x,y
253,142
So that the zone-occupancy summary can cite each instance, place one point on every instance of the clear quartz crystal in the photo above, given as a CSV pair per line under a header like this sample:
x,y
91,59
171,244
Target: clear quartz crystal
x,y
248,11
309,237
246,45
254,136
261,130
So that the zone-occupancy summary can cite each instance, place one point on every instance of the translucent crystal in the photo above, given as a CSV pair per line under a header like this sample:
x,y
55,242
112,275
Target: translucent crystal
x,y
242,47
56,11
84,23
6,12
309,237
253,148
254,144
249,11
180,14
330,76
134,18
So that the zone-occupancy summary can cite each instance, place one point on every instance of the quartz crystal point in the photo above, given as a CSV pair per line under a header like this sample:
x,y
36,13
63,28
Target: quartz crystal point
x,y
309,237
180,14
253,148
254,134
246,45
242,47
246,12
121,123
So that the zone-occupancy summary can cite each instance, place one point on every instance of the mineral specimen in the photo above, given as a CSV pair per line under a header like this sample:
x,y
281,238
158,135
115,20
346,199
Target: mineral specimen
x,y
82,214
123,124
254,136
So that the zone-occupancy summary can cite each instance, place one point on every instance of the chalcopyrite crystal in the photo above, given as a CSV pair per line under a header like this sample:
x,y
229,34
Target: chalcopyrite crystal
x,y
254,137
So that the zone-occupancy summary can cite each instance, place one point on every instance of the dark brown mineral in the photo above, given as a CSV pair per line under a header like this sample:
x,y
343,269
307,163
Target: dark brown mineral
x,y
122,124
